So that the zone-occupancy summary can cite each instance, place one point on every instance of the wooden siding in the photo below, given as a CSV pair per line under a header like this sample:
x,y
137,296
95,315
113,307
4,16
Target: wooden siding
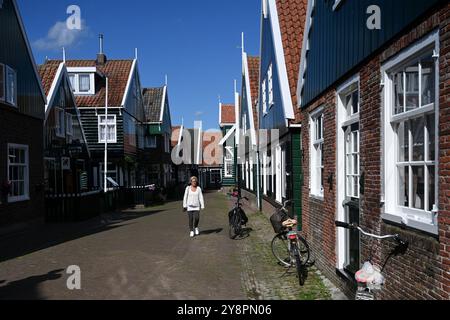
x,y
13,52
340,40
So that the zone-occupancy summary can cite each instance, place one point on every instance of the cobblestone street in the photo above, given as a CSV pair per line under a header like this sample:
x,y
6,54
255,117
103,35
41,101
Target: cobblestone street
x,y
147,254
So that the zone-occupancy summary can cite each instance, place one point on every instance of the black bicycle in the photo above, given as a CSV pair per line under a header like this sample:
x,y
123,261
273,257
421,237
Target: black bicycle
x,y
288,246
237,218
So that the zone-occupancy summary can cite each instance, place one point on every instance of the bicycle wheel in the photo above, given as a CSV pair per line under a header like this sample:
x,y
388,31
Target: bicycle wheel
x,y
235,227
303,250
280,249
300,266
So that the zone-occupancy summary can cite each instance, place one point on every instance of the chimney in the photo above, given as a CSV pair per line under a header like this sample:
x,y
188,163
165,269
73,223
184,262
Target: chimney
x,y
101,57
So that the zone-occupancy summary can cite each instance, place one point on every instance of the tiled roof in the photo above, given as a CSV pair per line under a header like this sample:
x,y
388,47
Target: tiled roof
x,y
152,103
292,16
228,114
176,131
253,70
211,141
118,72
48,74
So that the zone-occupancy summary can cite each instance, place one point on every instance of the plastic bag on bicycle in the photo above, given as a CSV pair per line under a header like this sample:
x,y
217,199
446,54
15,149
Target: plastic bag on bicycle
x,y
277,220
241,214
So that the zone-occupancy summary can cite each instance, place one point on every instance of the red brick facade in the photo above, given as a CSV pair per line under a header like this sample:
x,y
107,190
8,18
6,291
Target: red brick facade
x,y
424,271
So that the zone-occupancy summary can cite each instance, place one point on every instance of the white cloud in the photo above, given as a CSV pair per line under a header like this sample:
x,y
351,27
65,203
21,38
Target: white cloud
x,y
60,36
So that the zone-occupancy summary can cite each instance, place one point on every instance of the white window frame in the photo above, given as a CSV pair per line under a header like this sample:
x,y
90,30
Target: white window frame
x,y
270,85
418,219
264,97
100,124
2,82
76,85
10,98
228,160
60,122
26,195
316,159
69,124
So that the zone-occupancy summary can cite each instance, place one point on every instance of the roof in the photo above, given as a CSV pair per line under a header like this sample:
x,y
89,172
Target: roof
x,y
47,73
227,114
211,141
118,73
292,17
253,70
176,131
153,103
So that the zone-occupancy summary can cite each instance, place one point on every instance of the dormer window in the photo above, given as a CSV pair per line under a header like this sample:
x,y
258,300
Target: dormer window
x,y
82,80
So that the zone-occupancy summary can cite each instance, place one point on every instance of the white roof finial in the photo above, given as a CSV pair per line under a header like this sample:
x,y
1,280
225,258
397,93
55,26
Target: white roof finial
x,y
243,44
64,54
136,53
166,80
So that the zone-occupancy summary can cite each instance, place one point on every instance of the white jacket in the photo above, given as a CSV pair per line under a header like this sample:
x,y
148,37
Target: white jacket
x,y
193,201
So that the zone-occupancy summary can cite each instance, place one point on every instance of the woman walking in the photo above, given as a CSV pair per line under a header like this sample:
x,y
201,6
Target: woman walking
x,y
192,203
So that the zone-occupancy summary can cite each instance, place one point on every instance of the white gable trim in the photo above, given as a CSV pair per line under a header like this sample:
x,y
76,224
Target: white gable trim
x,y
130,79
249,97
281,62
227,136
237,111
51,94
30,53
163,104
305,49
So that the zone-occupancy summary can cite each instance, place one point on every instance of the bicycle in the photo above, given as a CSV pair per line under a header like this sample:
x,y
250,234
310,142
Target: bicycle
x,y
370,279
288,246
237,218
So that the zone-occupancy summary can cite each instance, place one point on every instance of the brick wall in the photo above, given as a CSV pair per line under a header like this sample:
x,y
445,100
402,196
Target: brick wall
x,y
21,129
424,271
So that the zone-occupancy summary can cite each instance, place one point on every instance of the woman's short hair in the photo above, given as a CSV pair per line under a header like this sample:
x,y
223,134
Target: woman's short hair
x,y
193,178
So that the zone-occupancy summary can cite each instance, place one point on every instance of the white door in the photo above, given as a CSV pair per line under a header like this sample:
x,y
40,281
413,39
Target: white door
x,y
279,175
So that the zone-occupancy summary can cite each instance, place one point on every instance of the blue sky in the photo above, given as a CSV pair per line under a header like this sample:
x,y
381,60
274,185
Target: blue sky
x,y
196,43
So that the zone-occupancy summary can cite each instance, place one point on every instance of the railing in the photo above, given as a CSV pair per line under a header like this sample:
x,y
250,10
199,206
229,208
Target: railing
x,y
84,206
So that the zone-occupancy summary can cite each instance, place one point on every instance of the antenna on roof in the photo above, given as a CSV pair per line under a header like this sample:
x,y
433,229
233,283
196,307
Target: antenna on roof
x,y
64,54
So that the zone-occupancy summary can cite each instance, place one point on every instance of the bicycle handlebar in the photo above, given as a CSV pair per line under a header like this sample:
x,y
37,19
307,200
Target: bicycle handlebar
x,y
354,226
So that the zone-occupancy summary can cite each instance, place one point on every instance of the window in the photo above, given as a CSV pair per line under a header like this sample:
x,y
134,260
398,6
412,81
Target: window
x,y
107,129
214,176
85,83
264,97
317,163
150,142
229,162
352,161
72,81
11,86
82,83
411,136
18,172
69,124
2,82
270,80
60,122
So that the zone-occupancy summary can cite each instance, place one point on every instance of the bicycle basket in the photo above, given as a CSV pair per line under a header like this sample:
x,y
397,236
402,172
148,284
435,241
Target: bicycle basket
x,y
277,220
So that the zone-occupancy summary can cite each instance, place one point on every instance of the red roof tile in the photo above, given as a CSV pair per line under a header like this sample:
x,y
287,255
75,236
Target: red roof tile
x,y
48,74
118,72
292,17
176,131
228,114
253,70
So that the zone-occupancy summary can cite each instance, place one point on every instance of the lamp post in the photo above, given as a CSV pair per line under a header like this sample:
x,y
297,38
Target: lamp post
x,y
105,165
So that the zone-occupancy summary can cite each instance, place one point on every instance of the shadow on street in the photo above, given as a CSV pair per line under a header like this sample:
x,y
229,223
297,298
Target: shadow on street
x,y
49,235
27,289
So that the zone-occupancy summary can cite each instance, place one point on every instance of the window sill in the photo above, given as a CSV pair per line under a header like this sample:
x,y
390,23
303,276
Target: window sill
x,y
317,197
411,224
16,200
